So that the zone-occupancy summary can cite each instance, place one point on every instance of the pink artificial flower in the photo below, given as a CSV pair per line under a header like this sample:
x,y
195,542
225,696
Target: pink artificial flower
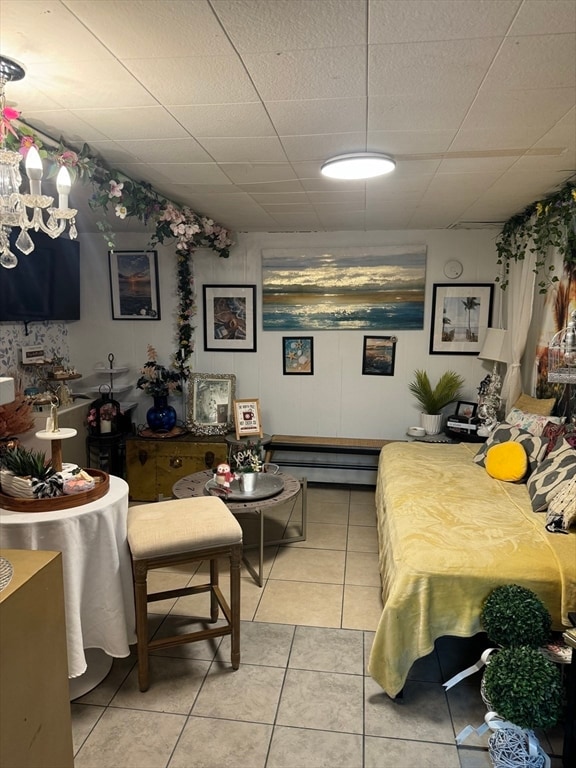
x,y
68,158
10,114
115,189
25,143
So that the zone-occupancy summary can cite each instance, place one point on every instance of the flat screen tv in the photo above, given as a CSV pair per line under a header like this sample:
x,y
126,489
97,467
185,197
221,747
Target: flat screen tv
x,y
45,284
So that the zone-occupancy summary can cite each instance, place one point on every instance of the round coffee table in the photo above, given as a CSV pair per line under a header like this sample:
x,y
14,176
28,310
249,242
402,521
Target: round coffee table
x,y
195,485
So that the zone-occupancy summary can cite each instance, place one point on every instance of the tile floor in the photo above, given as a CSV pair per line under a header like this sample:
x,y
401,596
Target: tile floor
x,y
302,697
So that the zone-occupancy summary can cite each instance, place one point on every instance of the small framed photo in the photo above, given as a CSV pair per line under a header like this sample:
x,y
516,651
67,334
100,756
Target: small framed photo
x,y
210,399
134,287
298,355
379,355
229,318
460,316
247,418
466,410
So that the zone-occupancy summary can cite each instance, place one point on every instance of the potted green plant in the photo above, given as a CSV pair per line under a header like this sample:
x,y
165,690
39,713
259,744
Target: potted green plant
x,y
513,616
432,400
27,474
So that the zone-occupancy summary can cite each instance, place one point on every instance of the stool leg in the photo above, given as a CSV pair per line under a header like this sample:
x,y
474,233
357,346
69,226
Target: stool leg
x,y
235,559
141,605
213,583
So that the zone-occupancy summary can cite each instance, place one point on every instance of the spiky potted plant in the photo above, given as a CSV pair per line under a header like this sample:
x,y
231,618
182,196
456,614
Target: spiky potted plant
x,y
27,474
432,399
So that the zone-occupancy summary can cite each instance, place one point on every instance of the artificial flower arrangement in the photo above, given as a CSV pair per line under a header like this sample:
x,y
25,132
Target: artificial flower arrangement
x,y
157,380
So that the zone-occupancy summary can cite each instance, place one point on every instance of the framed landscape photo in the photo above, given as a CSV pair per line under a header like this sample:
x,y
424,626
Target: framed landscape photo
x,y
460,316
210,399
379,355
134,285
247,418
298,355
229,318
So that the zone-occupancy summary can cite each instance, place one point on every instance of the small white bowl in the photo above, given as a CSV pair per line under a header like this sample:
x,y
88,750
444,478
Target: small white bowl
x,y
416,431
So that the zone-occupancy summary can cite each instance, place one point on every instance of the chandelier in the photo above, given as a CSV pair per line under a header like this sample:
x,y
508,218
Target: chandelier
x,y
14,204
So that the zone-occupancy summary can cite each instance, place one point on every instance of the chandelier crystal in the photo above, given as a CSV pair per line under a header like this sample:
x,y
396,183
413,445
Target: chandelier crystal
x,y
14,204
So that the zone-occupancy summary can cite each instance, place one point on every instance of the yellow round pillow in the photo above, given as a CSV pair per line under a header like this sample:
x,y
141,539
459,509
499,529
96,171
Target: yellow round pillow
x,y
507,461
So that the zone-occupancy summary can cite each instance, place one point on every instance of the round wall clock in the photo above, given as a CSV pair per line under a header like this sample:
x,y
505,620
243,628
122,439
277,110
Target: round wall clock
x,y
453,269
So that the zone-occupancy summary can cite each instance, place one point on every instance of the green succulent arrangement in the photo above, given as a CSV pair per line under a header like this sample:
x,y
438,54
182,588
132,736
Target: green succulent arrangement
x,y
524,687
431,399
23,462
514,616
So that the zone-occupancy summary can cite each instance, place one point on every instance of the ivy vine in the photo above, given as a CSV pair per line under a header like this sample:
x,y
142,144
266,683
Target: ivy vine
x,y
127,198
543,225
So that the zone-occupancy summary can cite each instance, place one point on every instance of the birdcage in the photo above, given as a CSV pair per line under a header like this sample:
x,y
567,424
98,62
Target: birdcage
x,y
562,354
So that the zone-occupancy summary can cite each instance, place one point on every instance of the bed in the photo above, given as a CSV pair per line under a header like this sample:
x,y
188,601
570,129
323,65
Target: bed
x,y
448,534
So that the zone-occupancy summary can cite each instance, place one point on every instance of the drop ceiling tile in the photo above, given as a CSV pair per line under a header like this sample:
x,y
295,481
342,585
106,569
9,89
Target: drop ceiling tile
x,y
477,165
540,61
225,120
563,134
37,32
293,198
168,150
430,68
326,73
517,108
273,208
415,166
401,197
64,123
321,147
475,140
190,173
273,187
266,149
337,222
387,220
253,173
416,111
538,18
297,118
419,20
177,26
26,97
78,88
304,222
210,79
113,153
456,184
410,142
564,163
353,198
259,25
135,123
417,183
324,184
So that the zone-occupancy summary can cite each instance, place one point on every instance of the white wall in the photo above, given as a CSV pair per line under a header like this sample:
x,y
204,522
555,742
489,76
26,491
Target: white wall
x,y
337,400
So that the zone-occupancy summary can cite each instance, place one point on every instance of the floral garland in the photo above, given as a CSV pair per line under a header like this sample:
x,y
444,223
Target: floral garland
x,y
132,199
546,224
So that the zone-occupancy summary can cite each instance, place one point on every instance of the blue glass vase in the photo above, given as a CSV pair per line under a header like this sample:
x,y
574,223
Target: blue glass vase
x,y
161,417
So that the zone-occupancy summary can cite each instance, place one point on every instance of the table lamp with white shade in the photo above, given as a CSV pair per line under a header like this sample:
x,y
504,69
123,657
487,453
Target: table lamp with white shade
x,y
7,390
496,348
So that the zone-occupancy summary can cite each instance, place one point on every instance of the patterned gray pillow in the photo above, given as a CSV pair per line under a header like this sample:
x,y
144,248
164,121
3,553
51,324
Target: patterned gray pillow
x,y
534,446
546,480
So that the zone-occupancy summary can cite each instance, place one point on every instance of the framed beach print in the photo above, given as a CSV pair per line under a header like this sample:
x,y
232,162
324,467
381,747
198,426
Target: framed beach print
x,y
229,318
298,355
460,316
379,355
247,418
210,399
134,285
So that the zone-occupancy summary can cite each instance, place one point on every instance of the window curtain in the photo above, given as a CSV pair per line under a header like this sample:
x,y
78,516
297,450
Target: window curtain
x,y
520,297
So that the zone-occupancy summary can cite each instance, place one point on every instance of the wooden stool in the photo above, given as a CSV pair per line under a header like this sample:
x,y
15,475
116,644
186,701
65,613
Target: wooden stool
x,y
177,532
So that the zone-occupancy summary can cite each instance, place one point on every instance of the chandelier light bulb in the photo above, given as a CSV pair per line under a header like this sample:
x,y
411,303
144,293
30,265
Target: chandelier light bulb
x,y
358,165
34,168
63,185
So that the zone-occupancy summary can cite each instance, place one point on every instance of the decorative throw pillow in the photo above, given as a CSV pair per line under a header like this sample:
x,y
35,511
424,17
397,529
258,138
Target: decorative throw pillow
x,y
562,509
507,461
532,422
534,405
555,431
551,474
533,445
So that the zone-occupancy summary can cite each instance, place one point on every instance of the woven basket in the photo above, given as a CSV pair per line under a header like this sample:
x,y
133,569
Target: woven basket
x,y
18,487
509,748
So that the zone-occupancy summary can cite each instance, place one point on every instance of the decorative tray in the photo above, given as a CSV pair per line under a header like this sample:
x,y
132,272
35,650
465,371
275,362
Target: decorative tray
x,y
67,501
267,486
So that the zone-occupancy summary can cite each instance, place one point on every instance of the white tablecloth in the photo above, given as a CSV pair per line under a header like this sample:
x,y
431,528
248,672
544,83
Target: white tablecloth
x,y
98,589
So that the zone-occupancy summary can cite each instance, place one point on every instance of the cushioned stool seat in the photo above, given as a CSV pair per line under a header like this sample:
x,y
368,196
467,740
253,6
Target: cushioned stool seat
x,y
184,531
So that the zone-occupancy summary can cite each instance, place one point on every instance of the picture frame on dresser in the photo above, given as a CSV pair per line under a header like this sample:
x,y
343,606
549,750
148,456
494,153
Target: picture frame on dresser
x,y
247,419
210,403
461,313
229,314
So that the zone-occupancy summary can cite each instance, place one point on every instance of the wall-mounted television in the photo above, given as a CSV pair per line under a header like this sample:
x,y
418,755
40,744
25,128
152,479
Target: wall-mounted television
x,y
45,284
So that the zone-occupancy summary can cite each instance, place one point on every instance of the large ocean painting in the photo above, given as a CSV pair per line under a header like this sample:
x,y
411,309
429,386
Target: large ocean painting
x,y
352,289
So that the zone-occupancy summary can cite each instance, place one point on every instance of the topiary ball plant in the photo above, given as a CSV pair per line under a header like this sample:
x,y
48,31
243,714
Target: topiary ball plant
x,y
524,687
513,615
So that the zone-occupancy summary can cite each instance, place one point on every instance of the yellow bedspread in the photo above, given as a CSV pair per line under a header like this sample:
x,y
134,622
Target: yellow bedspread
x,y
448,534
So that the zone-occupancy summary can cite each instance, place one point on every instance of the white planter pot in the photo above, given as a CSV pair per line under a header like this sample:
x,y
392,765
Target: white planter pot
x,y
432,423
17,487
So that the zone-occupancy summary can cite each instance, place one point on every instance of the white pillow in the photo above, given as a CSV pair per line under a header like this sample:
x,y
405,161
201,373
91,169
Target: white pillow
x,y
532,422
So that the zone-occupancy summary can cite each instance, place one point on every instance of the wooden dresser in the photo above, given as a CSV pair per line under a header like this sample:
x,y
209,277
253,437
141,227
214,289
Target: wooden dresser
x,y
153,465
